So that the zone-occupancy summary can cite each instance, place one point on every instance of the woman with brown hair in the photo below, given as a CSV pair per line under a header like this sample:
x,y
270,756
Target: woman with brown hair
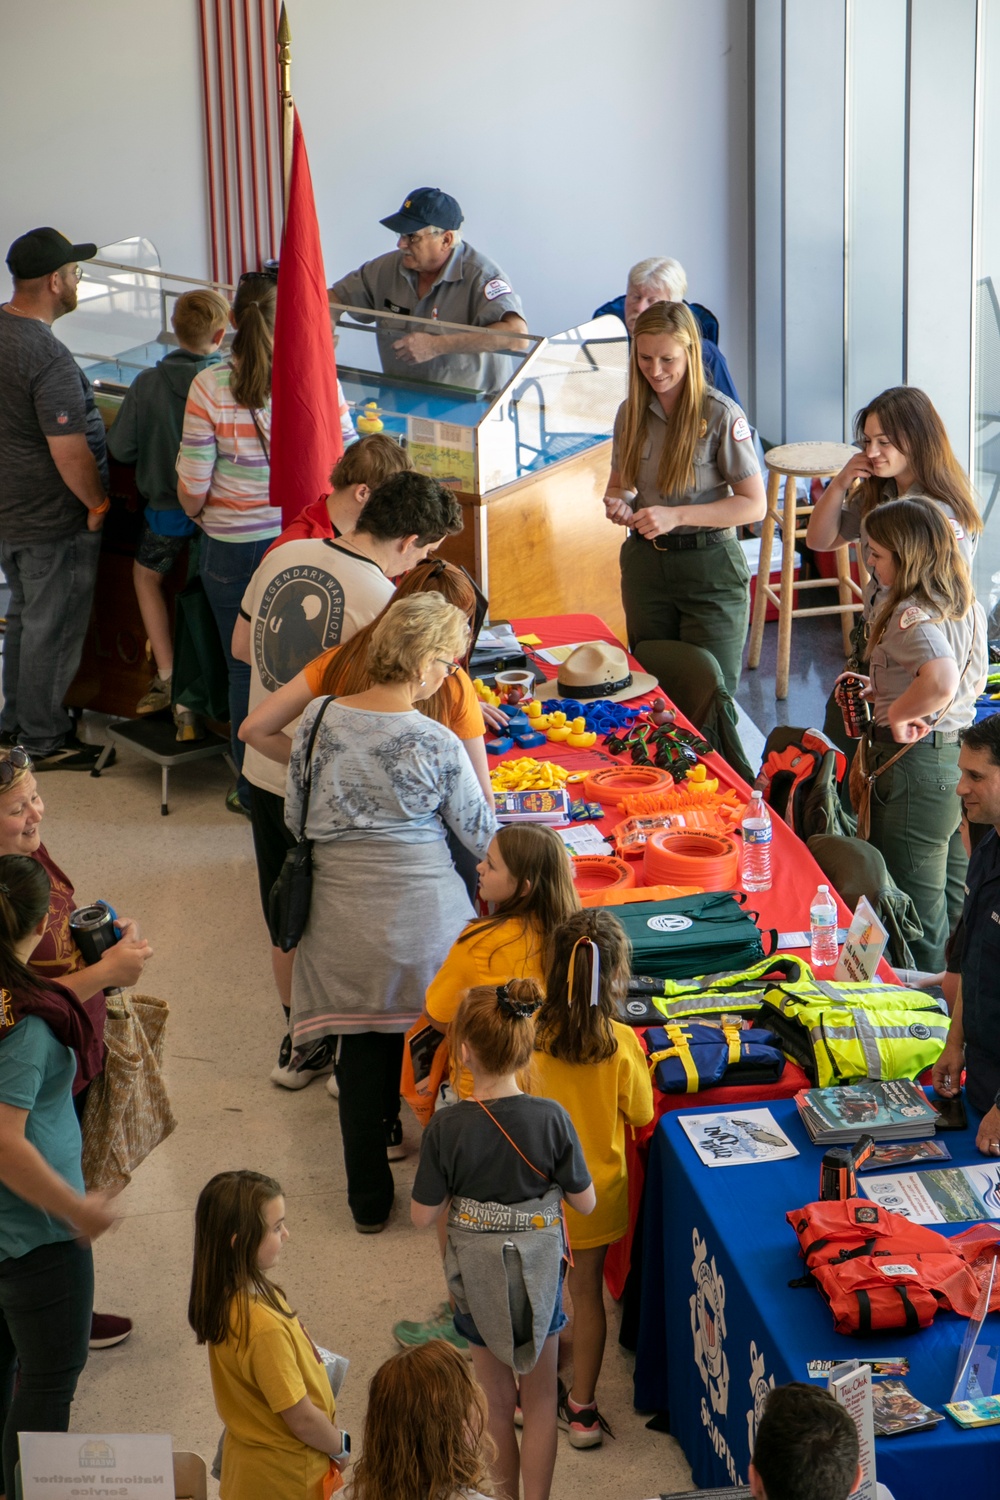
x,y
684,476
425,1435
223,479
928,654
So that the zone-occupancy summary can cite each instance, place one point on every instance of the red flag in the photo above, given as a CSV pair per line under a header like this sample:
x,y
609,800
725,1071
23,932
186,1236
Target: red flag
x,y
305,415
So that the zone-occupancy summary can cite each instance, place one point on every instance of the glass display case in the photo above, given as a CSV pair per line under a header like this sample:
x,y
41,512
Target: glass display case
x,y
477,418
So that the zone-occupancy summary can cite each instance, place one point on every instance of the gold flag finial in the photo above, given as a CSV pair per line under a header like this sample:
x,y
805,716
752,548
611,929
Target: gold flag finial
x,y
287,103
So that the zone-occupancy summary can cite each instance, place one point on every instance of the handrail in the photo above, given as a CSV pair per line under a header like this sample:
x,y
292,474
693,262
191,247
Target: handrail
x,y
117,265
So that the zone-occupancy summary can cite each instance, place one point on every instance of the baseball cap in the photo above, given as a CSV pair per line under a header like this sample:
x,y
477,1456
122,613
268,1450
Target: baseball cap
x,y
42,251
422,207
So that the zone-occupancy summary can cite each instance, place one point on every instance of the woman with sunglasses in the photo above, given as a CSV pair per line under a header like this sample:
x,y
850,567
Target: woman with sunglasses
x,y
387,902
343,669
57,957
684,476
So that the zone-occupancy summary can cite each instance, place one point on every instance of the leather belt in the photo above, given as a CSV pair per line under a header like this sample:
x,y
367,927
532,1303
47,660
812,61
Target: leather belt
x,y
692,540
937,737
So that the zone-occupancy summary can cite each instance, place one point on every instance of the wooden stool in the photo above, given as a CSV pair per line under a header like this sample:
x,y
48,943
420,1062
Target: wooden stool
x,y
797,461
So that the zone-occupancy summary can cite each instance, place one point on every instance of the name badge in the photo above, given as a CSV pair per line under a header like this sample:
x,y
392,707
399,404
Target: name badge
x,y
395,308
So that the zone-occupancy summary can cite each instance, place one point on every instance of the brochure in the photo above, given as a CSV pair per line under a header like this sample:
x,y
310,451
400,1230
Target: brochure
x,y
949,1195
983,1412
904,1154
894,1110
977,1363
733,1140
895,1409
819,1369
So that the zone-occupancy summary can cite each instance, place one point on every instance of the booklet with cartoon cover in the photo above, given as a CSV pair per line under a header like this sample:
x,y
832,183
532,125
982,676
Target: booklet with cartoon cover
x,y
732,1140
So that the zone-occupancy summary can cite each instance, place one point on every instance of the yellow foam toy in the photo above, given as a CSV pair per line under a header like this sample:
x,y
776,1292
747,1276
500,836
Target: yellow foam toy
x,y
527,775
485,694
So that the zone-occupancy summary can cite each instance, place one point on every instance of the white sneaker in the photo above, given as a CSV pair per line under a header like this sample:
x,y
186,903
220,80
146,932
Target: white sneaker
x,y
332,1086
316,1063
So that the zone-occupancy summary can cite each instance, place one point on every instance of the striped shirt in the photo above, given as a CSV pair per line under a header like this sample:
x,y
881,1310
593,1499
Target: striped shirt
x,y
221,458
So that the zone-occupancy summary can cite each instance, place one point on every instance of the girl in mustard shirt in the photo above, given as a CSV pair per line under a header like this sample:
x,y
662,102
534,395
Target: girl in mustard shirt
x,y
270,1384
595,1068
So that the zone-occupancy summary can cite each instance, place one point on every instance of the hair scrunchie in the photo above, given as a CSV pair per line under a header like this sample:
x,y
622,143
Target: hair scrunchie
x,y
516,1009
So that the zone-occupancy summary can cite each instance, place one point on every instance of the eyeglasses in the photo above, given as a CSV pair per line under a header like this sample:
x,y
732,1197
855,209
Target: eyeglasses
x,y
17,759
421,234
450,667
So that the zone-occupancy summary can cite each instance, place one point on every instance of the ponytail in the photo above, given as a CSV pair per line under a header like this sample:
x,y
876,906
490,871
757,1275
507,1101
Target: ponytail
x,y
25,891
588,974
497,1023
253,346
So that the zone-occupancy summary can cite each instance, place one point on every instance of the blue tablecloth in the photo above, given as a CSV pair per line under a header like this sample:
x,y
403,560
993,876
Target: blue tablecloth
x,y
719,1323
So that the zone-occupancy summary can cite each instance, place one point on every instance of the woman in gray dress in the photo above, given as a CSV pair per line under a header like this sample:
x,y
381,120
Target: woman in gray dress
x,y
387,902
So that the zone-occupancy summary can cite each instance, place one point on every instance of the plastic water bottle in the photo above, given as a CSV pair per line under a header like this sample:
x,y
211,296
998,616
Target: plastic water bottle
x,y
756,845
823,928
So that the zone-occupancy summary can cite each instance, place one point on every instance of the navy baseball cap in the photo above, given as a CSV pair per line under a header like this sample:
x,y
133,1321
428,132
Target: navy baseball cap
x,y
42,251
422,207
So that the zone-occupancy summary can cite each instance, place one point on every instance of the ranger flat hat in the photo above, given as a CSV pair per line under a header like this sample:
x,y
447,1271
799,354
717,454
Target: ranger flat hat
x,y
423,207
42,251
597,670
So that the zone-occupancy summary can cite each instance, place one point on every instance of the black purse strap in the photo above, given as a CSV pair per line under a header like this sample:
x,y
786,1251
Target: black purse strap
x,y
307,778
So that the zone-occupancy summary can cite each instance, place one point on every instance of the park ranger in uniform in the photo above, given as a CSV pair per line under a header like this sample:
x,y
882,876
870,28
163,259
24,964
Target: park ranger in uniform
x,y
684,575
434,274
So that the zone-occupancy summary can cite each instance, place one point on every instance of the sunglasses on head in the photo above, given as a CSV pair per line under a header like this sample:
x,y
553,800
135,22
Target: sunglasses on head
x,y
268,271
17,759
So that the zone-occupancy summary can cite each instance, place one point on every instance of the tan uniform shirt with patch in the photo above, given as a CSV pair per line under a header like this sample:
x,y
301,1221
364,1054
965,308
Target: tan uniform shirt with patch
x,y
912,638
853,529
723,456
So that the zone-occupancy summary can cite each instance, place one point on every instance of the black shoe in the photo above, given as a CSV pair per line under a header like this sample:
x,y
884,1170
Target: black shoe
x,y
395,1149
317,1062
74,755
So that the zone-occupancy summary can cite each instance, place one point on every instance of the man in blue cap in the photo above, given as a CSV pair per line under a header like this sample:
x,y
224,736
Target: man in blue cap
x,y
434,274
53,500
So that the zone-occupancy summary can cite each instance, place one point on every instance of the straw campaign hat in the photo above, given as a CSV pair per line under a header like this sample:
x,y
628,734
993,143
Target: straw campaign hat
x,y
597,670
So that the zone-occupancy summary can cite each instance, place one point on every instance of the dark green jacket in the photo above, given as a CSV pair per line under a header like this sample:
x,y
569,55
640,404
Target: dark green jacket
x,y
147,429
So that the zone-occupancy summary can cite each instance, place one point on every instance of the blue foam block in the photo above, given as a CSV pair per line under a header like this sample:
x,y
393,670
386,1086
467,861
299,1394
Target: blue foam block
x,y
500,745
528,741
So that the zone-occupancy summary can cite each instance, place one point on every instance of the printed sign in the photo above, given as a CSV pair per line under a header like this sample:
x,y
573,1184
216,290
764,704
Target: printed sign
x,y
61,1465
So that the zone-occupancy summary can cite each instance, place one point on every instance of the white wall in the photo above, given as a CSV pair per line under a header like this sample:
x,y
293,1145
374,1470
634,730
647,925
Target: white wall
x,y
578,135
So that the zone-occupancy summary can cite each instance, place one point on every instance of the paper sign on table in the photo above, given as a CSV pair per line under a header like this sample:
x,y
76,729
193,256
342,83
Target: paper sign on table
x,y
584,839
863,946
60,1465
851,1384
732,1140
949,1195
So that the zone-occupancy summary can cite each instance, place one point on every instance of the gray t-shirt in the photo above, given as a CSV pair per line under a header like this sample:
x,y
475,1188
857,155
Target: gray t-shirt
x,y
470,289
463,1153
45,394
913,637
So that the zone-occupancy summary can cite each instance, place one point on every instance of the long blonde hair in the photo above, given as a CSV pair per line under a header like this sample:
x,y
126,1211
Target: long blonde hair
x,y
929,565
676,471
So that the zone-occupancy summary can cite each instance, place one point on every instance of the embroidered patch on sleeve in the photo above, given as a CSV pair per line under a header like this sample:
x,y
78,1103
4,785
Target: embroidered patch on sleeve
x,y
912,616
741,429
496,288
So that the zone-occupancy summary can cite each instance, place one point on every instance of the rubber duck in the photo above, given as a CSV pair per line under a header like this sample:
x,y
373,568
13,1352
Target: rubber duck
x,y
369,420
580,737
559,729
533,708
660,714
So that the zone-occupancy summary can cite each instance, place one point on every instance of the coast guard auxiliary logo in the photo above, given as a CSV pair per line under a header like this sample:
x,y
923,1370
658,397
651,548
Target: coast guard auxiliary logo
x,y
708,1325
761,1386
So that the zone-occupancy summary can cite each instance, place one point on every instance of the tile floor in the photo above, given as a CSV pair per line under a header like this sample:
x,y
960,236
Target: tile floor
x,y
189,879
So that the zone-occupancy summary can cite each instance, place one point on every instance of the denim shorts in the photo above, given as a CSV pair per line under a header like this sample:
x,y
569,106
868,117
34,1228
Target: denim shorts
x,y
158,553
465,1324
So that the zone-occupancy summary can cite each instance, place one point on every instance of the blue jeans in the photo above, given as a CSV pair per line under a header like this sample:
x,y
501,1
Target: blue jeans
x,y
226,568
51,591
46,1300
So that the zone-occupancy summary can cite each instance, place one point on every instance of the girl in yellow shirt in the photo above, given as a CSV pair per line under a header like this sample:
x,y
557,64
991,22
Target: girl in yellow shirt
x,y
270,1384
595,1068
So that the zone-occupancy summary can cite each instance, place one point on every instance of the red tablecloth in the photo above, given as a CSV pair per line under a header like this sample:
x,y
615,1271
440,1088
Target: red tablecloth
x,y
785,907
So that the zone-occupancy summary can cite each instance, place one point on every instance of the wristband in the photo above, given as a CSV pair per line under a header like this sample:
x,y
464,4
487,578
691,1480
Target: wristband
x,y
102,509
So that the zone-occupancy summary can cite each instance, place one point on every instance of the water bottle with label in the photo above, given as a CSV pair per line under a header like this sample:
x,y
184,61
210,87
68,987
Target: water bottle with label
x,y
823,928
756,845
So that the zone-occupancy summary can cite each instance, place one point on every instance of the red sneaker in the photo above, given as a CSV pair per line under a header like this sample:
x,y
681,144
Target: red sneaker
x,y
106,1330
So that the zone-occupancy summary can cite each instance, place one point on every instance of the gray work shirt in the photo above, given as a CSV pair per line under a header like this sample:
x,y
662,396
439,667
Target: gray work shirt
x,y
853,529
45,394
911,638
723,456
469,289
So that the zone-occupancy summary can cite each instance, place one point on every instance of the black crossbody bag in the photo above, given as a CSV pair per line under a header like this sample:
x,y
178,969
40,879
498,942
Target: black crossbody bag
x,y
291,894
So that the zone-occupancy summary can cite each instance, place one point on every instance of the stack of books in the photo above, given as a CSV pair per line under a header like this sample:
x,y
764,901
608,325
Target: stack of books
x,y
896,1110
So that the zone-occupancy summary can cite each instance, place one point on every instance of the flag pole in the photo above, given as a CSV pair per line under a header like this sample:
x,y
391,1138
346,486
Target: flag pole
x,y
287,104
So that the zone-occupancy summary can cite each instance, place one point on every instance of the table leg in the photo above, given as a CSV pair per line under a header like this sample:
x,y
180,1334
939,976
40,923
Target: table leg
x,y
786,600
164,790
103,758
763,571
